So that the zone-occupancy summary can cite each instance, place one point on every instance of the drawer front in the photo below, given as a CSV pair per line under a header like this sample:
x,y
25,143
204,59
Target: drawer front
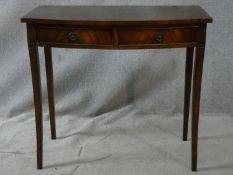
x,y
75,36
158,36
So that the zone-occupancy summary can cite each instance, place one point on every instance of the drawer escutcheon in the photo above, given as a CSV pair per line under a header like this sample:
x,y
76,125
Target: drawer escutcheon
x,y
72,36
159,37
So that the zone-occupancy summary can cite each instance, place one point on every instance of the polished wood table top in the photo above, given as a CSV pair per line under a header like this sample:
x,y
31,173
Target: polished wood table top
x,y
117,27
117,15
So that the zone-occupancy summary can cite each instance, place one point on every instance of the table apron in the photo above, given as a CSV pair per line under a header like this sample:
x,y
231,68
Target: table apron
x,y
120,37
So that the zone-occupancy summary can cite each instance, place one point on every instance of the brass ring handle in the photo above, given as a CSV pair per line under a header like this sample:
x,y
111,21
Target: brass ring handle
x,y
159,37
72,36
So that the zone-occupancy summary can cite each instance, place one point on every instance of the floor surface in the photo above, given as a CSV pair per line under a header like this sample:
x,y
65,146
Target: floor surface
x,y
124,141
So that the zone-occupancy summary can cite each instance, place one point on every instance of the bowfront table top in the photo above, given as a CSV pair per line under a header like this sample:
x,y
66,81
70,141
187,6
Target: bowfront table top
x,y
117,15
117,27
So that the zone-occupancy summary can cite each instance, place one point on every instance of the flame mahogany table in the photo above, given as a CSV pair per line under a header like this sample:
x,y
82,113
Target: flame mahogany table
x,y
117,27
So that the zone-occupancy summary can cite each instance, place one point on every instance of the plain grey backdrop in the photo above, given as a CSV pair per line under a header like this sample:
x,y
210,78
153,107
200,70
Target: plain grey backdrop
x,y
122,94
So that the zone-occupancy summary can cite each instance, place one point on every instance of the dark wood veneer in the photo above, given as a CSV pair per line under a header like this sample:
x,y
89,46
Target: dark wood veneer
x,y
80,36
138,36
117,27
117,15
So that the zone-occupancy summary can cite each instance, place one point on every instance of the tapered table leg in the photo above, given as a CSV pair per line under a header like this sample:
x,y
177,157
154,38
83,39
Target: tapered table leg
x,y
36,82
198,67
187,91
49,75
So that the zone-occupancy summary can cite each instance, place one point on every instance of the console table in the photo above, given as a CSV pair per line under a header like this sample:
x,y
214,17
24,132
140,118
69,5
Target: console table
x,y
117,27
